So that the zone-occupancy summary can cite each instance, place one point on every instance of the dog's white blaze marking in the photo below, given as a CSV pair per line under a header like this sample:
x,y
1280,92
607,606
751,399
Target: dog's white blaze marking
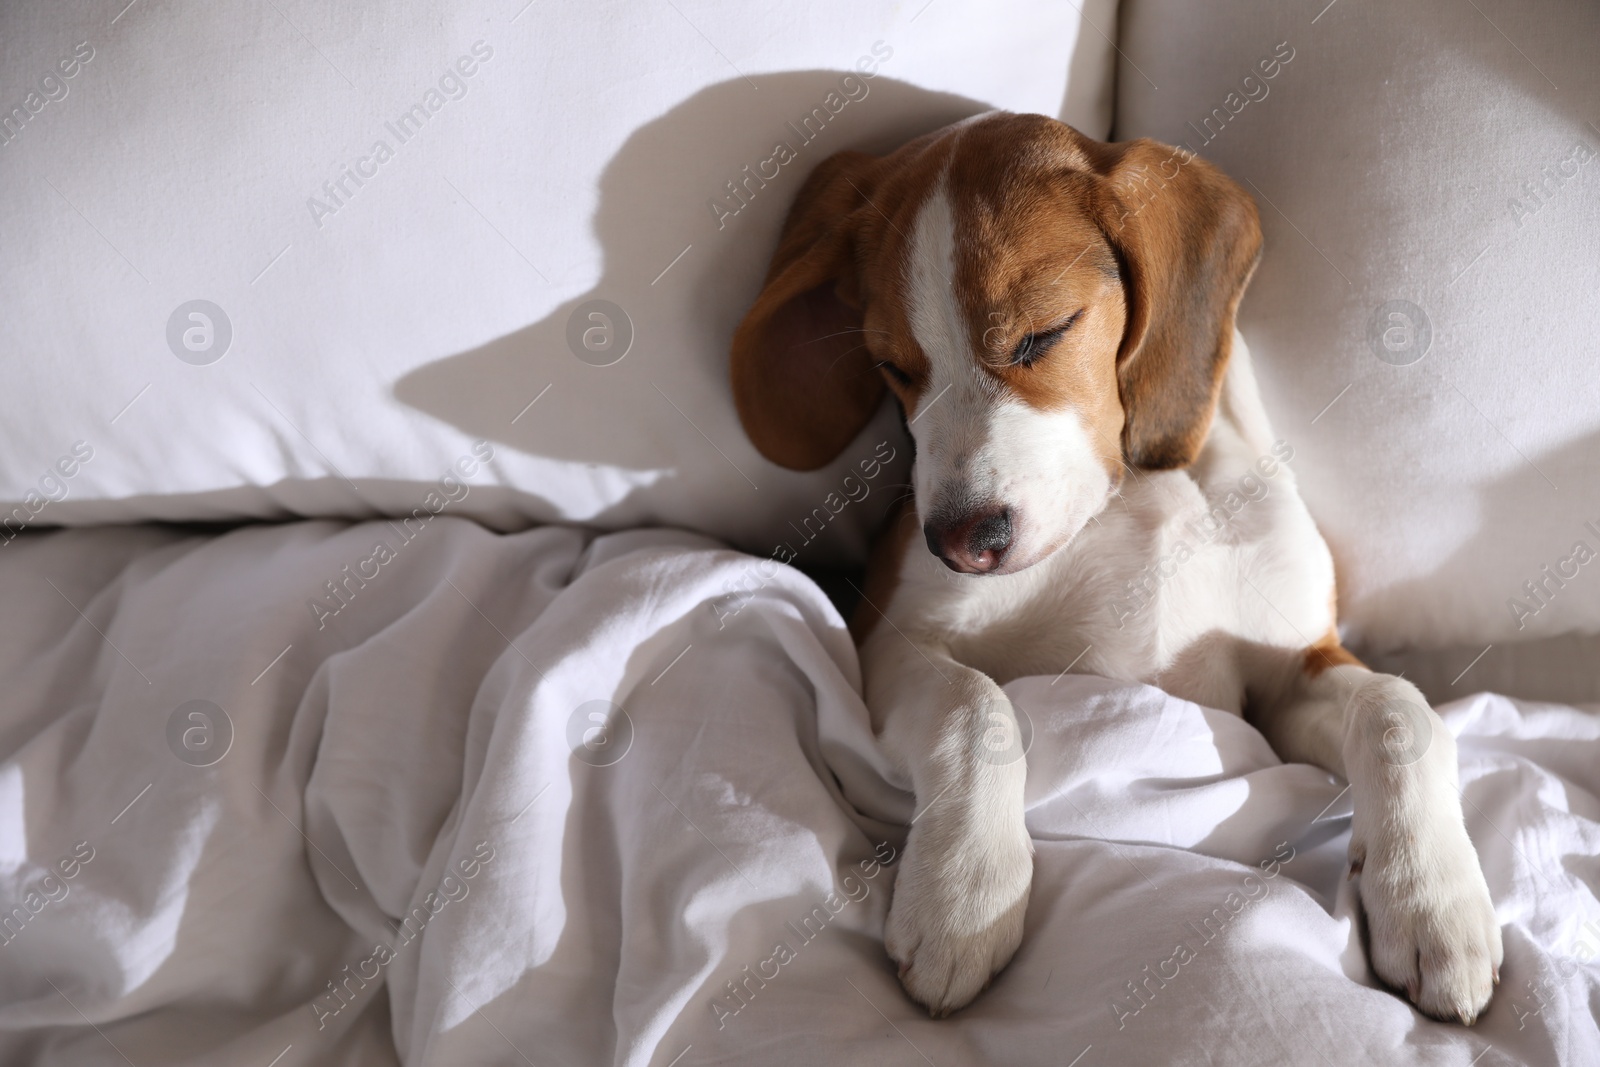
x,y
954,426
980,445
935,318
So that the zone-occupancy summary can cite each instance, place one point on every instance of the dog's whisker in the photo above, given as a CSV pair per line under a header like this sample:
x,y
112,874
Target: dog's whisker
x,y
841,356
844,333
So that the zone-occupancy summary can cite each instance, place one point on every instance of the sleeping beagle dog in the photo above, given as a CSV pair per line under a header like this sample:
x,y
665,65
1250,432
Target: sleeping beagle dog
x,y
1055,316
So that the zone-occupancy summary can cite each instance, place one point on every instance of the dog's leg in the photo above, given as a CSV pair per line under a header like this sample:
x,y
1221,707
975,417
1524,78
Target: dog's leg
x,y
962,887
1431,924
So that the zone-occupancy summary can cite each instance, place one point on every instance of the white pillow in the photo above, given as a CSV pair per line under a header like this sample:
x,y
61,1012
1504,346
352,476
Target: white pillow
x,y
1424,319
403,226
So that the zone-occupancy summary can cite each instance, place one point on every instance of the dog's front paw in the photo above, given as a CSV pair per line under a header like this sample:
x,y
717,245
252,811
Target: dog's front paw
x,y
1430,921
956,917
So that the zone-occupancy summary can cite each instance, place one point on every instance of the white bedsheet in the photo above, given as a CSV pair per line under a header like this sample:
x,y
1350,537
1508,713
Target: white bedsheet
x,y
416,755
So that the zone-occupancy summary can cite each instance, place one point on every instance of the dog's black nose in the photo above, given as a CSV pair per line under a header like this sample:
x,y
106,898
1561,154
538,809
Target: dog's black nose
x,y
972,544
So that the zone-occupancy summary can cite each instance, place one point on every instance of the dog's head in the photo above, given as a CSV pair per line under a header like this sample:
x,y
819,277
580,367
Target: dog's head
x,y
1046,308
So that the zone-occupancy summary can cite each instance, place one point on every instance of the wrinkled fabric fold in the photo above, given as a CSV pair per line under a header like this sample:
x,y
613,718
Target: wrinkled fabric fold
x,y
551,798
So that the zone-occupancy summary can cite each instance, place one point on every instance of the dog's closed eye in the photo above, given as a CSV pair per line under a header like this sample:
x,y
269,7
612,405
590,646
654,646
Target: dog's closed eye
x,y
894,372
1033,346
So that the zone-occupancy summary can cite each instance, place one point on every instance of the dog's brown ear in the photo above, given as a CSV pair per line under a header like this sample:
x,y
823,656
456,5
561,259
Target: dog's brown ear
x,y
803,380
1189,238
